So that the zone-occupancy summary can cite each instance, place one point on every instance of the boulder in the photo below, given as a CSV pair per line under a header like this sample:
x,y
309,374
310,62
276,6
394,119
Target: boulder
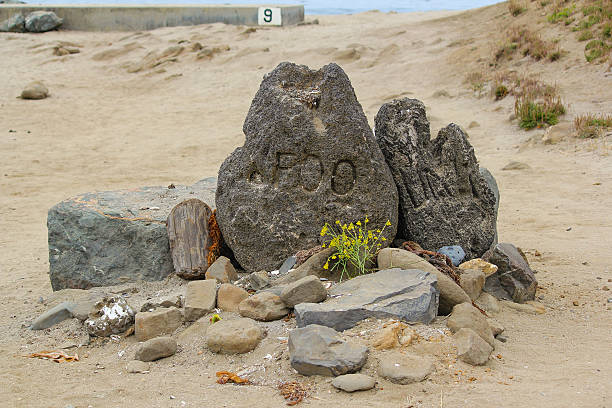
x,y
354,382
222,270
254,281
35,90
108,238
488,303
454,252
264,306
306,290
15,24
309,158
229,297
154,349
157,323
42,21
233,336
480,264
471,348
111,315
319,350
472,281
467,316
53,316
443,198
137,367
451,294
408,295
514,280
200,299
404,368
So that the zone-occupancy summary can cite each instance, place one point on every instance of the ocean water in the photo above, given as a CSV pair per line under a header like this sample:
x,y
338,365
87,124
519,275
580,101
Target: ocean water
x,y
314,6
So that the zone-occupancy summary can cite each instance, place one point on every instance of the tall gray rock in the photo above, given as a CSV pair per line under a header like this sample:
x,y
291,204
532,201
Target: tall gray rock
x,y
42,21
514,280
309,158
444,200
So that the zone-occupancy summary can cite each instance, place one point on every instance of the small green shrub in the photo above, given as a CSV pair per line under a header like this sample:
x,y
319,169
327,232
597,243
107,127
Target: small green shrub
x,y
592,126
538,105
563,14
585,35
501,91
595,49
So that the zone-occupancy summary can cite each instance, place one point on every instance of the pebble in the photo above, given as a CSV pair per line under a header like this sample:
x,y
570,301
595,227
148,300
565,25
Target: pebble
x,y
404,368
605,288
354,382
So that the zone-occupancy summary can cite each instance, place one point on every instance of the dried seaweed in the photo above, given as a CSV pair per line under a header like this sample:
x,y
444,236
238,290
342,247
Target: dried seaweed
x,y
223,377
294,392
57,356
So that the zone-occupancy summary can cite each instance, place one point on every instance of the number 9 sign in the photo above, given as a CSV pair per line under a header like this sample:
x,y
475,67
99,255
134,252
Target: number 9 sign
x,y
269,16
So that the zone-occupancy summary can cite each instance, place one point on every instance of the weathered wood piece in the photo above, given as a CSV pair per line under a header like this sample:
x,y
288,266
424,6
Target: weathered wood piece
x,y
189,238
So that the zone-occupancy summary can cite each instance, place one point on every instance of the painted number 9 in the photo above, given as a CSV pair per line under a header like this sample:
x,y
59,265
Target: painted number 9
x,y
267,15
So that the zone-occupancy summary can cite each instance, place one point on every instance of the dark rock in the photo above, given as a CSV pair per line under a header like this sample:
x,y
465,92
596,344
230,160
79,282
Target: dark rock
x,y
444,200
35,90
514,279
454,252
53,316
254,281
471,348
200,299
157,323
306,290
467,316
15,24
354,382
309,158
233,336
319,350
402,368
408,295
102,239
42,21
111,315
492,183
264,306
287,265
155,349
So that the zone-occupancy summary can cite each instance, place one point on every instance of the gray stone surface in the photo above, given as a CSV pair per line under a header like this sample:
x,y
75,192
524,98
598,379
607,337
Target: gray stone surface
x,y
444,200
42,21
309,158
162,321
492,183
467,316
408,295
306,290
514,279
107,238
404,368
264,306
488,303
35,90
154,349
15,24
354,382
222,270
111,315
254,281
319,350
287,265
201,298
53,316
471,348
454,252
233,336
312,266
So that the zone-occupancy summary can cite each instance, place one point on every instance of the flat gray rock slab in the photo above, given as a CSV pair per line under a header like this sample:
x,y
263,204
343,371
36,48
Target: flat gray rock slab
x,y
408,295
53,316
113,237
403,368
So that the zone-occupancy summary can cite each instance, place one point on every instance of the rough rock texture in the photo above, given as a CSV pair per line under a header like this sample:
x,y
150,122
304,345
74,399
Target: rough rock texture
x,y
309,157
514,279
454,252
155,349
451,294
472,281
233,336
35,90
42,21
488,303
467,316
492,183
108,238
111,315
53,316
312,266
393,335
15,24
404,368
154,324
137,367
254,281
444,200
354,382
408,295
471,348
229,297
200,299
478,263
167,301
319,350
222,270
306,290
264,306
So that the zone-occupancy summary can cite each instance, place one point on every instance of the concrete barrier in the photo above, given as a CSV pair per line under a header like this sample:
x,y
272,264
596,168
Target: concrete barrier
x,y
119,17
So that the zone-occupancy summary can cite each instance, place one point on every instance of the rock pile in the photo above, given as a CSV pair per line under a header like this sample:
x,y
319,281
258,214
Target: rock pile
x,y
35,22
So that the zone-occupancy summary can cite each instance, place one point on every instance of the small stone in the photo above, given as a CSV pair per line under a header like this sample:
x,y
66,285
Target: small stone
x,y
471,348
287,265
164,302
306,290
35,90
404,369
454,252
467,316
137,367
488,303
502,337
319,350
222,270
159,322
393,335
496,327
311,266
515,165
264,306
156,348
473,124
200,299
233,336
111,315
354,382
575,303
53,316
605,288
229,297
42,21
254,281
472,281
480,264
530,308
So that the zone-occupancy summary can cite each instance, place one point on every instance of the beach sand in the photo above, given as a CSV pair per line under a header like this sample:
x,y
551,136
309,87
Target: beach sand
x,y
126,112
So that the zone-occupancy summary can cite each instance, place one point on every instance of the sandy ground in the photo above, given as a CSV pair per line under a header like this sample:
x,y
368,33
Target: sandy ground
x,y
107,128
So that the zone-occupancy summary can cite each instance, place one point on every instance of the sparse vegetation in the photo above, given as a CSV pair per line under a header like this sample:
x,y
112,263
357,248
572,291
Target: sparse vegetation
x,y
592,126
500,92
585,35
516,7
562,15
528,43
477,81
595,49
